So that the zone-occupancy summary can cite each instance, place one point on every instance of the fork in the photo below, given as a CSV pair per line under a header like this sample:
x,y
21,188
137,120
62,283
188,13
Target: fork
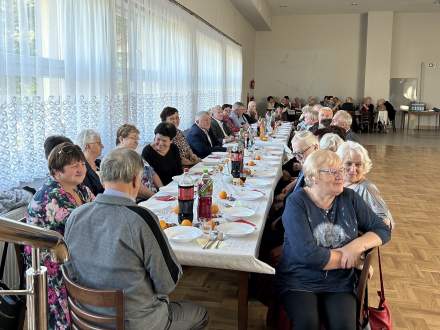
x,y
220,238
212,239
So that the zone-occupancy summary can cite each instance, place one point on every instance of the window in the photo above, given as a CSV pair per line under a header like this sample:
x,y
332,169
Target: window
x,y
67,65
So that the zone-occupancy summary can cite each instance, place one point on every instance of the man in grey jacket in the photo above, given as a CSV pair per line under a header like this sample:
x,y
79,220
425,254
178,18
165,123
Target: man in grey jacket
x,y
117,244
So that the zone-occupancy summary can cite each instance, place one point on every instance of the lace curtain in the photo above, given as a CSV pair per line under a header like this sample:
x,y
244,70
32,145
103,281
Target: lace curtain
x,y
67,65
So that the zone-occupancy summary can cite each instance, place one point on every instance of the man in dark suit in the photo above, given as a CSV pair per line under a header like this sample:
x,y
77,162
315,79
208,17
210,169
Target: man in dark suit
x,y
219,129
200,137
343,119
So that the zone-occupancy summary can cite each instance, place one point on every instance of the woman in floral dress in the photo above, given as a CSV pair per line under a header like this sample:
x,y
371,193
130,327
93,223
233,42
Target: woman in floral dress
x,y
50,208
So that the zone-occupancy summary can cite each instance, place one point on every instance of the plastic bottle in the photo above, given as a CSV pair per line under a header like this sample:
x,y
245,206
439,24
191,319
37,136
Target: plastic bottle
x,y
205,188
186,197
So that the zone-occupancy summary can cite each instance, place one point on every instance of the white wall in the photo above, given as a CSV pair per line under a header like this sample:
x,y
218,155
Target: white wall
x,y
416,39
378,54
225,17
311,55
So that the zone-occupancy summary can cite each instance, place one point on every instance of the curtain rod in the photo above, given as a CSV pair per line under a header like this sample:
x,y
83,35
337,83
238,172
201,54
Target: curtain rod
x,y
189,11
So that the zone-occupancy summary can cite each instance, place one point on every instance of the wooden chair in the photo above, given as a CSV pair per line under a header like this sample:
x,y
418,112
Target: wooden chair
x,y
283,323
82,319
362,285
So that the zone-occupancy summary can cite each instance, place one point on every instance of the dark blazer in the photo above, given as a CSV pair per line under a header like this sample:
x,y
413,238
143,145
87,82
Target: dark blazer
x,y
217,131
199,143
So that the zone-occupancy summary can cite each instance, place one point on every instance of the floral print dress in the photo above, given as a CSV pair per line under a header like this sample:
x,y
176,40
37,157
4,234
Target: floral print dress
x,y
50,208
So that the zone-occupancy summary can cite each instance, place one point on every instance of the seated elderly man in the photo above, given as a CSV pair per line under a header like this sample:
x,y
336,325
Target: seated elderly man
x,y
200,137
343,119
114,243
219,128
325,117
237,115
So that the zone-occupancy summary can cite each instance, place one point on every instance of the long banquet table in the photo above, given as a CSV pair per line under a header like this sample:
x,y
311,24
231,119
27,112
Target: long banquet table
x,y
235,253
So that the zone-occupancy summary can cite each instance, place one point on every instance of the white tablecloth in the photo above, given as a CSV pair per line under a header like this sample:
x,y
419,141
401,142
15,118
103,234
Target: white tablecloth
x,y
235,253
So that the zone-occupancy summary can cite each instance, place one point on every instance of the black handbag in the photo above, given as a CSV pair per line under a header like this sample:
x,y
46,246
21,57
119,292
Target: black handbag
x,y
10,305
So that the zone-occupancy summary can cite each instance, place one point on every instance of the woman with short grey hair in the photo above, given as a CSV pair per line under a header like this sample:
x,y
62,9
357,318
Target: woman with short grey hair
x,y
357,164
330,141
90,142
322,246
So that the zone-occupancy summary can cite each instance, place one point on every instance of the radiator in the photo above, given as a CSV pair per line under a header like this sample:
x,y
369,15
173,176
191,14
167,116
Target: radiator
x,y
11,276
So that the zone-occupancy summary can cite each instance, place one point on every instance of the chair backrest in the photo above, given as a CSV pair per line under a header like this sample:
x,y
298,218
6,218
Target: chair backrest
x,y
82,319
363,279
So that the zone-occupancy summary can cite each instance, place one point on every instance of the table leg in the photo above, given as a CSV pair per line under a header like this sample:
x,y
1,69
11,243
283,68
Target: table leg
x,y
243,300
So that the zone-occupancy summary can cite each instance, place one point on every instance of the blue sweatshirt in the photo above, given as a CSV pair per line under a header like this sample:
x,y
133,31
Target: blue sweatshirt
x,y
310,234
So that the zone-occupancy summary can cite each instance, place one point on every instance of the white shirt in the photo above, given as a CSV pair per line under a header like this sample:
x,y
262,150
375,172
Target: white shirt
x,y
207,135
220,123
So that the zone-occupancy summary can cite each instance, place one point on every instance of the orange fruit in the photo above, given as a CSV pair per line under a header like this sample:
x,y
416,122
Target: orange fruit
x,y
163,224
186,222
176,209
258,157
223,195
251,163
214,209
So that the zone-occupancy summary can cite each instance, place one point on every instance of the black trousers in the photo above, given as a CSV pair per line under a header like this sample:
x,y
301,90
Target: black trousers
x,y
307,310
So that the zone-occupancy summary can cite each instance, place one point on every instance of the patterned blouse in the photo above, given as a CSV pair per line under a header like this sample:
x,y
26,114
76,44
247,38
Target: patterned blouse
x,y
185,150
147,177
50,208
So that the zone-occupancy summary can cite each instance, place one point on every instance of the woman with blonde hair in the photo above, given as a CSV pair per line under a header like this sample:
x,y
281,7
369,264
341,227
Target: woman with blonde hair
x,y
322,246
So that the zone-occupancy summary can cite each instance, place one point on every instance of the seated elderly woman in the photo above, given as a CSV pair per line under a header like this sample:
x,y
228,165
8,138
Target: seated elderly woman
x,y
227,108
251,114
330,141
171,115
162,154
90,142
49,209
357,164
128,136
322,245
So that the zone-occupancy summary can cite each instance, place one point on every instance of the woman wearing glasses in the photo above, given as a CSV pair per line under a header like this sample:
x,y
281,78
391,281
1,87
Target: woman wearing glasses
x,y
50,208
90,142
128,136
357,164
322,246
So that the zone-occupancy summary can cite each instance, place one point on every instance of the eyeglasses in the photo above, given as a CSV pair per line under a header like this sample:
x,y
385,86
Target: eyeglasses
x,y
333,171
300,154
97,142
350,164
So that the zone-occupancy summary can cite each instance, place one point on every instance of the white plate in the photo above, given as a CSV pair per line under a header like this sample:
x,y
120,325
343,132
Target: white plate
x,y
219,153
236,229
236,212
258,182
265,174
169,189
270,157
183,234
210,162
156,207
249,195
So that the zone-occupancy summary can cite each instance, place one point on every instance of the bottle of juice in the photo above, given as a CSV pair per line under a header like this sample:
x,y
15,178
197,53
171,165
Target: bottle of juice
x,y
205,188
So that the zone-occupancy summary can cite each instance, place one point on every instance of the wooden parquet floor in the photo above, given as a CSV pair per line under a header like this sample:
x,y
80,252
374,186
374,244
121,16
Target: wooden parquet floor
x,y
409,179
